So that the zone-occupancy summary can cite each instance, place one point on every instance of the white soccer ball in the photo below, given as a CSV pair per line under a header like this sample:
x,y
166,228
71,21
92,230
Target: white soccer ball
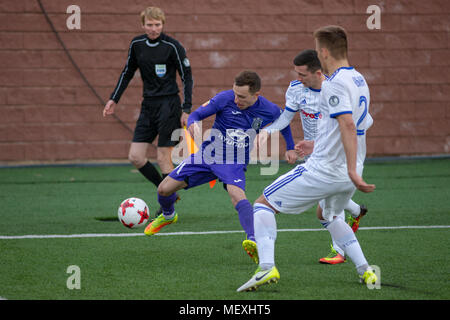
x,y
133,213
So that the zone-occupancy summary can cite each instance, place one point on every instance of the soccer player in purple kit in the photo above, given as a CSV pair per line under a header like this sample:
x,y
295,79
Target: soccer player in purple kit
x,y
240,114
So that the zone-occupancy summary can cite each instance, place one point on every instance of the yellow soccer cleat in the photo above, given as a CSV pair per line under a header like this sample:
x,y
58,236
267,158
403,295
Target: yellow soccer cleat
x,y
260,278
156,225
251,249
368,277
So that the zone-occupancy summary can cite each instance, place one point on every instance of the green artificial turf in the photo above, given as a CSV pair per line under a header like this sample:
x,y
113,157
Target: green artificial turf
x,y
414,263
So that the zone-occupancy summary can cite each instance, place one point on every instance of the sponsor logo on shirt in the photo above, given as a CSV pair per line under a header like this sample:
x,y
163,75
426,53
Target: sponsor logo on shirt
x,y
236,137
316,115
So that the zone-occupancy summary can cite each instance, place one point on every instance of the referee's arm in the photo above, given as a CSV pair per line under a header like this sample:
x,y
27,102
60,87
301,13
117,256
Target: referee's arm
x,y
184,69
126,75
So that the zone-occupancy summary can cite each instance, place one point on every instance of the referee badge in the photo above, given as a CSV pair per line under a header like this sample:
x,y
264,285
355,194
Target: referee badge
x,y
160,70
333,101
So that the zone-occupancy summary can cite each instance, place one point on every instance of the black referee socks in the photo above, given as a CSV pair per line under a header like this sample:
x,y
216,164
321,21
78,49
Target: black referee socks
x,y
149,171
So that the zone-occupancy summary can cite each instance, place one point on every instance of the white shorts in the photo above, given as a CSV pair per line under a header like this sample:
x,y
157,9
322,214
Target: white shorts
x,y
299,189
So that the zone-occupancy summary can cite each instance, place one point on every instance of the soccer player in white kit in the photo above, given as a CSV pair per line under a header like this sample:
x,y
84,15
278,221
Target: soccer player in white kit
x,y
332,173
303,96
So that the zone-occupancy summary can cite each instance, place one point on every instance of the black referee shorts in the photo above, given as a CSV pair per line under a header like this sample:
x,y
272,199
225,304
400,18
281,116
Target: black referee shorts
x,y
159,116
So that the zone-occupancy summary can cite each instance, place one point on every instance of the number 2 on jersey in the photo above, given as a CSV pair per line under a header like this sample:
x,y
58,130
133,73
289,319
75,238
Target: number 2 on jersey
x,y
360,132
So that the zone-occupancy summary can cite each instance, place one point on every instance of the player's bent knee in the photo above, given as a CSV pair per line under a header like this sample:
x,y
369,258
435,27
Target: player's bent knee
x,y
136,160
261,199
163,191
169,185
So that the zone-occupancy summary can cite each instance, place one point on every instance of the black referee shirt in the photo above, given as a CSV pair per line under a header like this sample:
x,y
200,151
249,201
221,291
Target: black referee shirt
x,y
158,61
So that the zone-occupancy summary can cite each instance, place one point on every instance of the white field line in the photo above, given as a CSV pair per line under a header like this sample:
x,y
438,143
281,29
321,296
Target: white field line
x,y
186,233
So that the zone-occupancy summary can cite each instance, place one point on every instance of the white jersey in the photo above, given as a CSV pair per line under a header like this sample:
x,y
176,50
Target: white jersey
x,y
345,91
305,101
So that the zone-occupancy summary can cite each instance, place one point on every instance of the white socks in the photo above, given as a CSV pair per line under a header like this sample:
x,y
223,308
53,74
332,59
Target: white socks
x,y
353,208
265,234
345,239
336,246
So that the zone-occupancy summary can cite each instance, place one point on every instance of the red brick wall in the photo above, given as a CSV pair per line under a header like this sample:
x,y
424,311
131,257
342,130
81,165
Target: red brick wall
x,y
48,113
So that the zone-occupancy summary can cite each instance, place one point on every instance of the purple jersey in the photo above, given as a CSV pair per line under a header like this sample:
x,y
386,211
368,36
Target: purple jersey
x,y
225,154
234,130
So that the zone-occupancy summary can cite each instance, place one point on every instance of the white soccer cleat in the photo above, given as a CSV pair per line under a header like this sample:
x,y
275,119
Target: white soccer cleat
x,y
260,278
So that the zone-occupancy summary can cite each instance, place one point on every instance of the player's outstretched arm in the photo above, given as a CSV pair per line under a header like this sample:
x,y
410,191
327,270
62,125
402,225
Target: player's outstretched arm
x,y
348,136
206,110
281,122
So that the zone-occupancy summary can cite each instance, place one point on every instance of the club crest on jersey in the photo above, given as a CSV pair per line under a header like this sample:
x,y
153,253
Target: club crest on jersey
x,y
333,101
160,70
256,124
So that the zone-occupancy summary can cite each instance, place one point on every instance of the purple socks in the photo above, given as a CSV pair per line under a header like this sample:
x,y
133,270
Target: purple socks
x,y
167,203
245,212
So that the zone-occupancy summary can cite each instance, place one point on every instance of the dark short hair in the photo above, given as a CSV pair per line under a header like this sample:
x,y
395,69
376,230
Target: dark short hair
x,y
250,79
334,38
309,59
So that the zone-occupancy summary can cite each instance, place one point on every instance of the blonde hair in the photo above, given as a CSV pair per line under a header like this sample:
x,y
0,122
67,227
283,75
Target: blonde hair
x,y
154,13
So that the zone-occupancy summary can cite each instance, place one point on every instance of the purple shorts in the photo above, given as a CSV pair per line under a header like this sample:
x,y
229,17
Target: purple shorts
x,y
195,174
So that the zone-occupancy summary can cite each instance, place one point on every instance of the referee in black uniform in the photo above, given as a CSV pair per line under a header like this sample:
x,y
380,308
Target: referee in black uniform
x,y
159,58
